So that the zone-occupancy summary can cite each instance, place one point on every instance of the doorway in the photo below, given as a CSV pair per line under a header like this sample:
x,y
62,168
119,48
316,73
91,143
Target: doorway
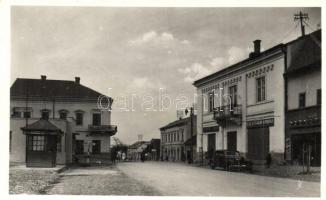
x,y
232,141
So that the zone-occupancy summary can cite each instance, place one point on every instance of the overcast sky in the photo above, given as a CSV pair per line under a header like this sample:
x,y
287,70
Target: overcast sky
x,y
137,51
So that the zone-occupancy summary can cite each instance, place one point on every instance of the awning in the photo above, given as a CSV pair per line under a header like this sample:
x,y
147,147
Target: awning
x,y
42,126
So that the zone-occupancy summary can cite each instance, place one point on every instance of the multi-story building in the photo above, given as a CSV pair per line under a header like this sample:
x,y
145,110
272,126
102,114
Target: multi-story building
x,y
242,106
303,91
176,141
56,122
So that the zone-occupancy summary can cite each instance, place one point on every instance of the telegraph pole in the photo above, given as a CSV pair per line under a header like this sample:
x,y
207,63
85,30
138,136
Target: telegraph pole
x,y
302,17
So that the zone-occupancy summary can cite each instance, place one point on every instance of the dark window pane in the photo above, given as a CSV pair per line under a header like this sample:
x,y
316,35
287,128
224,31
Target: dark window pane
x,y
302,100
96,119
319,97
79,118
63,115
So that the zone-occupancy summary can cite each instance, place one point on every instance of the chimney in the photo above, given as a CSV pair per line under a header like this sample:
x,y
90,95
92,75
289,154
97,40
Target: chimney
x,y
43,77
77,80
257,46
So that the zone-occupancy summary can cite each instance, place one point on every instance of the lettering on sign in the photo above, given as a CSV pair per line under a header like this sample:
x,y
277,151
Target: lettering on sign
x,y
211,129
260,123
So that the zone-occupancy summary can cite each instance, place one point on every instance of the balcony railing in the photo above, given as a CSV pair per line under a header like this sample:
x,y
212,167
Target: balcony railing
x,y
105,129
228,113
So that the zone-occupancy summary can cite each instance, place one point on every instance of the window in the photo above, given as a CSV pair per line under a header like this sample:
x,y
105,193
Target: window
x,y
211,102
96,119
79,118
302,100
233,94
178,137
319,97
27,114
96,147
59,144
36,143
10,140
79,147
63,115
45,114
16,114
260,91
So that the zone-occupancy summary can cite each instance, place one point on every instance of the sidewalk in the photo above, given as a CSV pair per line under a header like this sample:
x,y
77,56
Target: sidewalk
x,y
289,171
24,180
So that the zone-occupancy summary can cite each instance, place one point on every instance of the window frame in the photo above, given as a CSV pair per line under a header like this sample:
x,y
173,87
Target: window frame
x,y
79,122
43,111
99,120
302,94
234,95
211,101
37,143
318,97
260,90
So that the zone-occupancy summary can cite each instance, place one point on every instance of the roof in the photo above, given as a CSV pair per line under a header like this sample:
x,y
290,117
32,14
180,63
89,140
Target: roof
x,y
179,122
42,125
304,52
138,144
58,89
239,64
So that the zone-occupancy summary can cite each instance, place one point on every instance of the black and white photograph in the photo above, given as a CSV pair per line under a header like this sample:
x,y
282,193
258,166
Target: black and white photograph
x,y
192,101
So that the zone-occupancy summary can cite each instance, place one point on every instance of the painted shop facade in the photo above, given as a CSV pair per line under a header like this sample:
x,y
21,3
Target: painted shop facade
x,y
57,122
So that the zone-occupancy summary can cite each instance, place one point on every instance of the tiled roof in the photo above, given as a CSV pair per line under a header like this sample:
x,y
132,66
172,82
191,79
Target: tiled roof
x,y
41,125
51,89
305,52
178,122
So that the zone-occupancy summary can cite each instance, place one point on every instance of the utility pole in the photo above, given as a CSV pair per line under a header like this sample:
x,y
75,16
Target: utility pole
x,y
302,17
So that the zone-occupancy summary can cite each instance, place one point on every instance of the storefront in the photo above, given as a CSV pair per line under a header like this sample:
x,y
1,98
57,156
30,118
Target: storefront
x,y
41,143
258,138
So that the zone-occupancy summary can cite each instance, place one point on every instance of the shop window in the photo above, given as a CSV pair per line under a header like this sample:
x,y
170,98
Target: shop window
x,y
96,119
36,143
260,89
79,118
319,97
302,100
16,114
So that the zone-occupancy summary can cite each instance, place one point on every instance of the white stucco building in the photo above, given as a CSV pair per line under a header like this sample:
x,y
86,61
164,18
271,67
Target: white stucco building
x,y
242,106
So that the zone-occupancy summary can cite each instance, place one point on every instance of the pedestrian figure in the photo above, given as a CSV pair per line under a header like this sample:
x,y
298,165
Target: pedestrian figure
x,y
268,160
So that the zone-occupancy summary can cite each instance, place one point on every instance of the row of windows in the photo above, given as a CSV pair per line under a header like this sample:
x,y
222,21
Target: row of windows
x,y
40,143
174,136
62,115
302,98
233,93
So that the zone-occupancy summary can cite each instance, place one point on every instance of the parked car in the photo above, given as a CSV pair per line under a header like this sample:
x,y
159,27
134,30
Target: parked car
x,y
230,160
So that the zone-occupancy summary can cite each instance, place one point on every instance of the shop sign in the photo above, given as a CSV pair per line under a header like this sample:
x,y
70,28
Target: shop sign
x,y
260,123
211,129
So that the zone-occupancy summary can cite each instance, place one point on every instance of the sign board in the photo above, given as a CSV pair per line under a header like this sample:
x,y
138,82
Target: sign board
x,y
260,123
211,129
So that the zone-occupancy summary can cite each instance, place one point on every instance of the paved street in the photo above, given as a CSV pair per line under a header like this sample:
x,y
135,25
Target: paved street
x,y
180,179
99,181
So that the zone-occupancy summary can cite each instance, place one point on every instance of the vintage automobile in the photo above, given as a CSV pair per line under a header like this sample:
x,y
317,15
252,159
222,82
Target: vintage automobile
x,y
230,160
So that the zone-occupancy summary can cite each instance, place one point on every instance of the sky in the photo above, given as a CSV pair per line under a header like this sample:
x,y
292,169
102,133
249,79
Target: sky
x,y
145,58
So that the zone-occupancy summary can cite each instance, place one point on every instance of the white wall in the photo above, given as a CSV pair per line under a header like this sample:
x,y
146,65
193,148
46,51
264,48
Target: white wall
x,y
309,83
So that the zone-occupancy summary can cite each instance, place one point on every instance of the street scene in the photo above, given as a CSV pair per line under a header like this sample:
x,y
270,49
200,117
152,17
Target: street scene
x,y
169,101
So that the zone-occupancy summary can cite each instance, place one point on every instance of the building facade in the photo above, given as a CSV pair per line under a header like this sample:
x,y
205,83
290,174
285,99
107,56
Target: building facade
x,y
176,141
39,106
303,110
242,107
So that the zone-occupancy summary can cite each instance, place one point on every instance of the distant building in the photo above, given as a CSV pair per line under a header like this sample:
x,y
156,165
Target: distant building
x,y
303,92
57,122
136,149
154,149
176,141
